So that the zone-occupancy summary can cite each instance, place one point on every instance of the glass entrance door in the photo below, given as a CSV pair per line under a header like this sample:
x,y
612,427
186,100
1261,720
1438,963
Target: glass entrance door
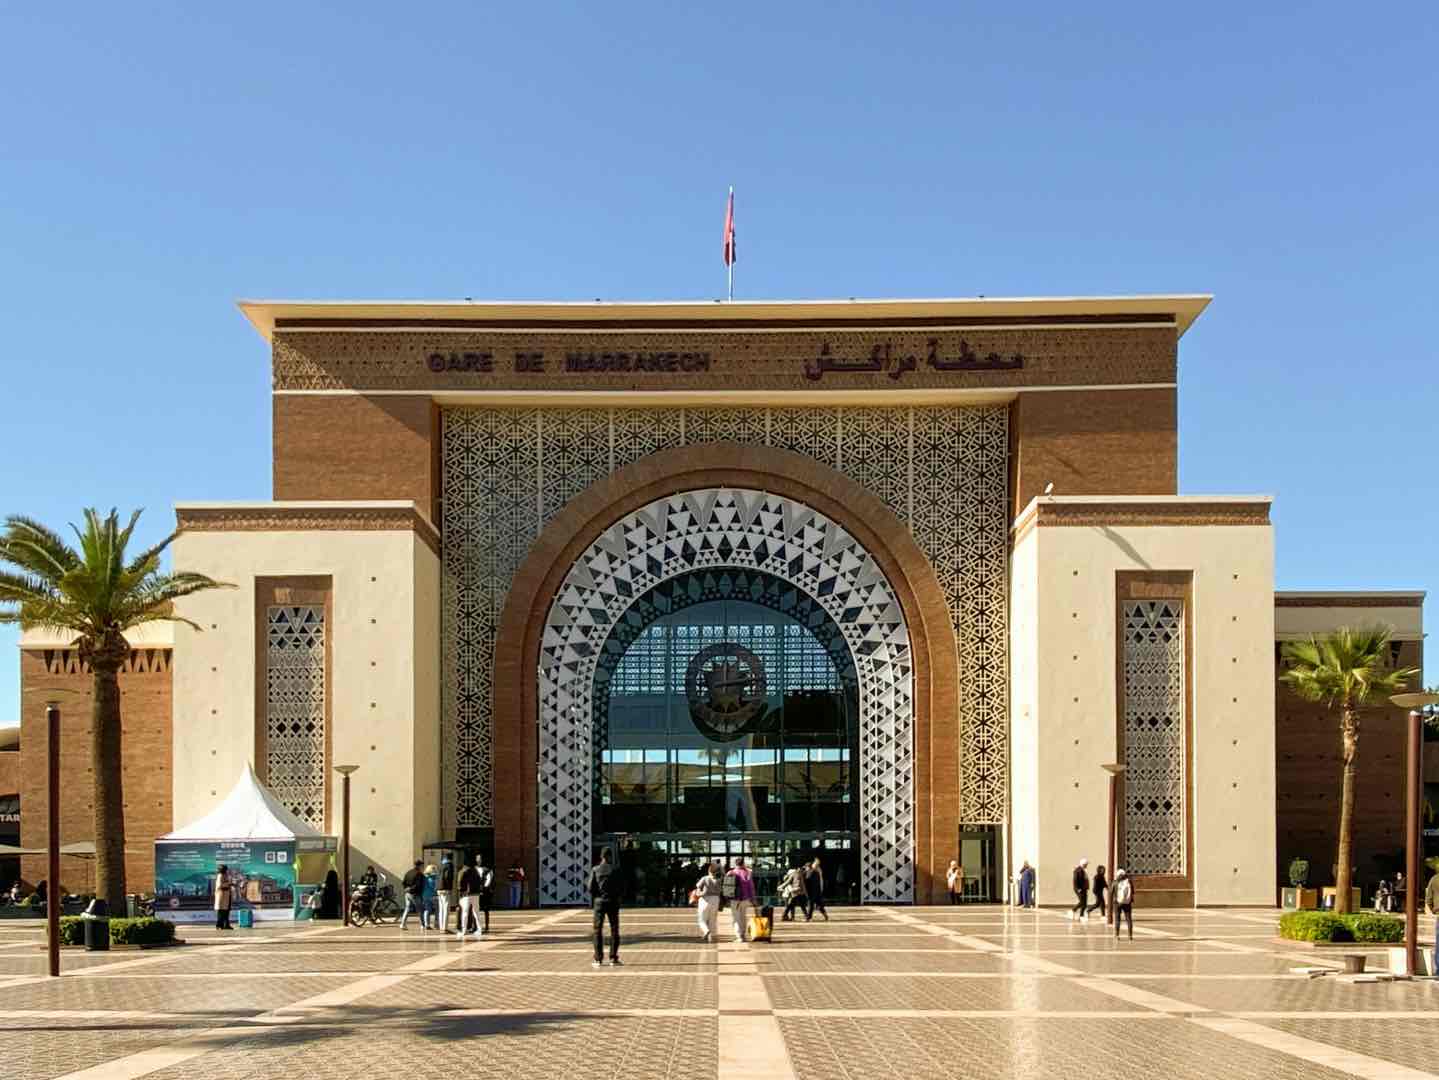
x,y
727,725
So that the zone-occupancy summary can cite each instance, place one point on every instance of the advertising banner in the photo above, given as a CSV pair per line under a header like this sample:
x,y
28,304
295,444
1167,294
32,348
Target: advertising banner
x,y
261,873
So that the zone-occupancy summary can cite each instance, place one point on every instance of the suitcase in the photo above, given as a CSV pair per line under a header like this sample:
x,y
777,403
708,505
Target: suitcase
x,y
760,927
244,918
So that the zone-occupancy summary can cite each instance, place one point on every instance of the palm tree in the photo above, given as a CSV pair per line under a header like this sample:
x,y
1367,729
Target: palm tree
x,y
96,593
1348,670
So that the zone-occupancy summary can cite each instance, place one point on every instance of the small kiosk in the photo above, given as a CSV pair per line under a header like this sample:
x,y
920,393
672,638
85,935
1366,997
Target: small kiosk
x,y
273,859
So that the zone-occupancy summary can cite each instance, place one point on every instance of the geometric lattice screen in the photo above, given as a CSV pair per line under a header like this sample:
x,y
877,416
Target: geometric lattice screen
x,y
1154,724
706,533
295,710
507,472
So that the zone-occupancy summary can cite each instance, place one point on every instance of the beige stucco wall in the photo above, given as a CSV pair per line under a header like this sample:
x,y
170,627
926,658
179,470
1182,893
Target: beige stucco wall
x,y
1026,841
384,713
1065,632
1406,623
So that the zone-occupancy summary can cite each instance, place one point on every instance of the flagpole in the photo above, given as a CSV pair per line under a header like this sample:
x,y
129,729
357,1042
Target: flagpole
x,y
729,247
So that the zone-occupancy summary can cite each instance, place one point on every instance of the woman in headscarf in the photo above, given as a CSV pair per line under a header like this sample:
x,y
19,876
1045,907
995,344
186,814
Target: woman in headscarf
x,y
223,895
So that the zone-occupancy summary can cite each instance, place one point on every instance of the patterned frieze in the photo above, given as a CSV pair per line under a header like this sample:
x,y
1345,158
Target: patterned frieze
x,y
878,359
1154,736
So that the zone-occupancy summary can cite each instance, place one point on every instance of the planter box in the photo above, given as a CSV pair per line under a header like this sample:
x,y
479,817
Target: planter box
x,y
1300,899
1330,892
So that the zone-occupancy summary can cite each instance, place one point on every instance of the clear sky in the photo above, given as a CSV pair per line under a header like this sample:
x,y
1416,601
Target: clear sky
x,y
159,161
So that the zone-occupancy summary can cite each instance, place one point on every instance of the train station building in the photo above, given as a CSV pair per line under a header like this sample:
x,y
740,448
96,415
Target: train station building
x,y
888,583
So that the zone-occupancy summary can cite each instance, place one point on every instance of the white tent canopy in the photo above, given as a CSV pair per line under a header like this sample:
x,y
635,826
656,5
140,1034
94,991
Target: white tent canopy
x,y
249,812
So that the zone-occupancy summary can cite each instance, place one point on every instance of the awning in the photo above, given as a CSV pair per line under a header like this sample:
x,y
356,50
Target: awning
x,y
249,812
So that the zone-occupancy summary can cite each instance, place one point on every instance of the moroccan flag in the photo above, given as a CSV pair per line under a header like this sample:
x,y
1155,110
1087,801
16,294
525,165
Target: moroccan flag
x,y
729,254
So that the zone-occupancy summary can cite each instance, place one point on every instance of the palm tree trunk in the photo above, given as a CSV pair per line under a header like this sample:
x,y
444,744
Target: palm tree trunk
x,y
109,795
1345,871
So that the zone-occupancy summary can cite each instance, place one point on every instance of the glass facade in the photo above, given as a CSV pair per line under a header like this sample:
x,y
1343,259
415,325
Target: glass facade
x,y
729,727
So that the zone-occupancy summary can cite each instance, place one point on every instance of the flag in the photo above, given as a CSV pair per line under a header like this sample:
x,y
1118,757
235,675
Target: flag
x,y
729,251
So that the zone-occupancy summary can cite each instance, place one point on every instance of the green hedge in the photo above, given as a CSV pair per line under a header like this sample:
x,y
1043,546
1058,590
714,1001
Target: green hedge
x,y
1327,926
122,931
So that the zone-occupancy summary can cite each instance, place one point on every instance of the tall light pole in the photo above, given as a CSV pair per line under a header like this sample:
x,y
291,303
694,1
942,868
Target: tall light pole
x,y
52,842
345,771
1413,800
1115,771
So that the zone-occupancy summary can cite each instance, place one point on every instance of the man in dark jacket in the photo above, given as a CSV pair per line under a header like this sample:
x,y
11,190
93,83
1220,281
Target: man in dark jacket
x,y
1081,892
605,898
446,892
470,884
414,893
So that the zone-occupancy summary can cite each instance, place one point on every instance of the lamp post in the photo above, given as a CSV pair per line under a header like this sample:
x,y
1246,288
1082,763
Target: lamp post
x,y
52,841
1413,800
345,771
1115,771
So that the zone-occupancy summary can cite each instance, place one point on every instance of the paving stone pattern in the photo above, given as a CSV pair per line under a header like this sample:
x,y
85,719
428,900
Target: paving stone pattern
x,y
913,992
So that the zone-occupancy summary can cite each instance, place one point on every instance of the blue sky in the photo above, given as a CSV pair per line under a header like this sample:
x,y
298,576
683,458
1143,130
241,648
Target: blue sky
x,y
159,161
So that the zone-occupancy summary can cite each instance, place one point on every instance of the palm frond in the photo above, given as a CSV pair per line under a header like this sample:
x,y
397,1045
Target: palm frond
x,y
1348,668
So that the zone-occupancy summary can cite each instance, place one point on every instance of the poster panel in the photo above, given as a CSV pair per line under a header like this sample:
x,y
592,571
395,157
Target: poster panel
x,y
261,873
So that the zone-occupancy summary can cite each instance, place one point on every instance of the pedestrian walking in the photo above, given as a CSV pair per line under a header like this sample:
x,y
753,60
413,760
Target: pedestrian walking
x,y
708,892
1431,905
469,889
1100,885
793,893
743,898
814,891
414,885
1081,892
430,898
1026,885
955,880
487,891
1123,899
224,895
605,899
516,876
445,893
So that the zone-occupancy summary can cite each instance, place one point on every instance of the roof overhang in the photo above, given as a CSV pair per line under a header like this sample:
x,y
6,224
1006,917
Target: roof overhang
x,y
269,315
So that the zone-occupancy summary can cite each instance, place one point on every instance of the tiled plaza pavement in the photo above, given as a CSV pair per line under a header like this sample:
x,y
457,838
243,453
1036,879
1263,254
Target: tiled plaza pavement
x,y
925,992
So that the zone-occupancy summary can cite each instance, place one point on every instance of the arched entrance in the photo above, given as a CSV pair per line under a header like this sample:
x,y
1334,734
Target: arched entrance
x,y
544,666
726,529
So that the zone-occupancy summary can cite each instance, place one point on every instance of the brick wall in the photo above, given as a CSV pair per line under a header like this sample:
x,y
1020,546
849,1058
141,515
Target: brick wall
x,y
353,448
1094,442
1308,775
145,701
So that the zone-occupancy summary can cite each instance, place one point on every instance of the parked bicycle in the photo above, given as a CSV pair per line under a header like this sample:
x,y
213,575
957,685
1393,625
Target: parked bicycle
x,y
374,903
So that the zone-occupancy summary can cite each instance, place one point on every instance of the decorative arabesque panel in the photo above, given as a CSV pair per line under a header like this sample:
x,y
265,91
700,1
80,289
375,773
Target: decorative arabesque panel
x,y
295,710
1154,722
713,529
943,470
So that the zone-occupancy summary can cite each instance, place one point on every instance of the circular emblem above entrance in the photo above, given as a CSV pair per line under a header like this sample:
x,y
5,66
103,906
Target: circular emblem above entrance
x,y
726,688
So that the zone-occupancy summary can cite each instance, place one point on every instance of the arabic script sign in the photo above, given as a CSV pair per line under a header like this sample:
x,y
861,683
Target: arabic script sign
x,y
883,358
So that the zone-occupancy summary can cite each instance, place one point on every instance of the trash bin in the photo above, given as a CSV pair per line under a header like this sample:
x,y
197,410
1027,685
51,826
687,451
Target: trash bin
x,y
132,906
97,926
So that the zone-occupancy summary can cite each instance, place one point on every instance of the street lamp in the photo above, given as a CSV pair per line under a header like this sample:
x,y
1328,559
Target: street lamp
x,y
345,771
1413,799
52,842
1115,771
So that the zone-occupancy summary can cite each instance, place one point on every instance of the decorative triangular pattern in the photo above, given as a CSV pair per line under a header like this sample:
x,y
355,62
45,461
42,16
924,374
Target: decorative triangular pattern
x,y
295,709
714,529
507,472
1154,736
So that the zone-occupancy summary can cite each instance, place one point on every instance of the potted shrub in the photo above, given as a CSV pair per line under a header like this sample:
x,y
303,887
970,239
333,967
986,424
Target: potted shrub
x,y
1297,897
